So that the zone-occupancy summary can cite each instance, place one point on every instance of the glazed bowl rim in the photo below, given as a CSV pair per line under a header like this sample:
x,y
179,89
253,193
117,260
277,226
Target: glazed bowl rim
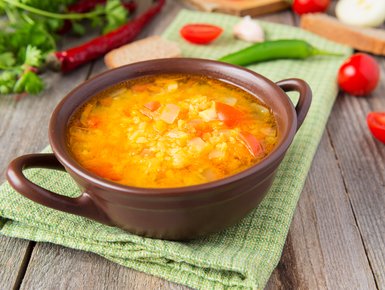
x,y
64,156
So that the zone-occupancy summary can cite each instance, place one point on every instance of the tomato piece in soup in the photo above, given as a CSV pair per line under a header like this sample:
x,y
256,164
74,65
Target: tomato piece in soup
x,y
252,143
228,114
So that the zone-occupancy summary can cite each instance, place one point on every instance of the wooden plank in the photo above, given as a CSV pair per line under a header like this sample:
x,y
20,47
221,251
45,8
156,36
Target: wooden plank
x,y
56,267
311,259
316,255
362,161
24,129
240,8
14,255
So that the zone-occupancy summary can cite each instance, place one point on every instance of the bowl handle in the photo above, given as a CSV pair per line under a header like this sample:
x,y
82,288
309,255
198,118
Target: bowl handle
x,y
305,96
82,205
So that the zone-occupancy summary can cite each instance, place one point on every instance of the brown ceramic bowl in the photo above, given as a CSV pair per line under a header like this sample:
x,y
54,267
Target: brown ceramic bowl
x,y
168,213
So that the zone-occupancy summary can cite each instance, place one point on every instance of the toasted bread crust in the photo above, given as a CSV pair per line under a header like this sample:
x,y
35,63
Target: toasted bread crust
x,y
365,39
152,47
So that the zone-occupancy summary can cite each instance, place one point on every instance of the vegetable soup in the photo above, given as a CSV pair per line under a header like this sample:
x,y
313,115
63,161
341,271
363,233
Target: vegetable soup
x,y
171,131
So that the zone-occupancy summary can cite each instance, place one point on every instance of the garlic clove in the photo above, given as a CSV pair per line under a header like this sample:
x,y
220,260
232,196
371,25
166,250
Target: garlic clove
x,y
249,30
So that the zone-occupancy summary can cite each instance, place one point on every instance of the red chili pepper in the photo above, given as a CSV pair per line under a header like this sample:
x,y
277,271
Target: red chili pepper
x,y
88,5
70,59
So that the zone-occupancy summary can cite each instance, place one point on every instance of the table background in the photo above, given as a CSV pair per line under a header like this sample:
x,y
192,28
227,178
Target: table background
x,y
337,237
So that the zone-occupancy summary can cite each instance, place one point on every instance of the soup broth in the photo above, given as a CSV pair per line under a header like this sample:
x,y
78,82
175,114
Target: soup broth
x,y
171,131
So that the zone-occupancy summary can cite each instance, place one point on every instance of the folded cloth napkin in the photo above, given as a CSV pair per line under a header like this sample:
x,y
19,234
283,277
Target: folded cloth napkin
x,y
242,256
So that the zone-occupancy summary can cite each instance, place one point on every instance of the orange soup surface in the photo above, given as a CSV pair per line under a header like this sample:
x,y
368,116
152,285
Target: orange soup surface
x,y
171,131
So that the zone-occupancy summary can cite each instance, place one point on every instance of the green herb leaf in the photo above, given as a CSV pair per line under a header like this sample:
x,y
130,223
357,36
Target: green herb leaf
x,y
33,56
29,82
116,15
34,85
98,21
7,59
7,81
49,5
30,34
78,28
52,25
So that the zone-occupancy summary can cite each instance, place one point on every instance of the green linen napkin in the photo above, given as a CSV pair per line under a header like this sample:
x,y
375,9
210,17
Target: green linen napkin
x,y
242,256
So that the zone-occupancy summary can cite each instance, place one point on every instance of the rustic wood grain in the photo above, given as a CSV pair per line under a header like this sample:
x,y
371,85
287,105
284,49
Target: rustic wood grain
x,y
323,249
362,161
315,255
336,240
23,129
14,255
55,267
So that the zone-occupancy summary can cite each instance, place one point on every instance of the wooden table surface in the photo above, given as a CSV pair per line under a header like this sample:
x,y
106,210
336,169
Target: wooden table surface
x,y
337,237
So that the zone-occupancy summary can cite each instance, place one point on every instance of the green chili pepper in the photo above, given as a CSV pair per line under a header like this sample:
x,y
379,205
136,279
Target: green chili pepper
x,y
275,49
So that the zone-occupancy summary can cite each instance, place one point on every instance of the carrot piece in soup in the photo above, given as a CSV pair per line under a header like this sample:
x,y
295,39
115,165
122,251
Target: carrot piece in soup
x,y
152,106
202,128
85,114
106,171
107,101
127,112
139,88
93,122
146,112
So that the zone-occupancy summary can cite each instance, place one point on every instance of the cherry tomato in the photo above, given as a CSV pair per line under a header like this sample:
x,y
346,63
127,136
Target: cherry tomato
x,y
200,33
252,144
228,114
376,124
359,74
310,6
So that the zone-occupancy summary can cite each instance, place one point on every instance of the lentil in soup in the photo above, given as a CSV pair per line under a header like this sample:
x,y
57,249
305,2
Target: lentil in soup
x,y
171,131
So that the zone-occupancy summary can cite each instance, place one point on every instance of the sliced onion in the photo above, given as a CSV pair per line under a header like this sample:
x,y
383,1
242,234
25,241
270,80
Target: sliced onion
x,y
209,114
229,101
216,154
197,144
209,174
172,86
364,13
170,113
176,134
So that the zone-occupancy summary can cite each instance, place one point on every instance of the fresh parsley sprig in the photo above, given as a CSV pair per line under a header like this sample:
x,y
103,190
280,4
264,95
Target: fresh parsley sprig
x,y
28,33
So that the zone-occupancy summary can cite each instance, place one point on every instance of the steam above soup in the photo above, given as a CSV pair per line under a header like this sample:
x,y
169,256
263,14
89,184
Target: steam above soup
x,y
171,131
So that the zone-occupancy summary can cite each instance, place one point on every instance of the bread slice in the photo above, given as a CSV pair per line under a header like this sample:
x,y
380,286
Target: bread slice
x,y
152,47
366,39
